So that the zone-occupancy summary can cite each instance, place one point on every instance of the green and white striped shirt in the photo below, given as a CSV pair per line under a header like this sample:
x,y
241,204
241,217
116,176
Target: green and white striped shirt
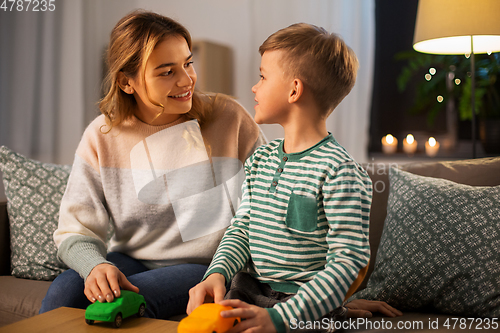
x,y
302,227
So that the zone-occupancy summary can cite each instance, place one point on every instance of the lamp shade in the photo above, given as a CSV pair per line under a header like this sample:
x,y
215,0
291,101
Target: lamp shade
x,y
446,26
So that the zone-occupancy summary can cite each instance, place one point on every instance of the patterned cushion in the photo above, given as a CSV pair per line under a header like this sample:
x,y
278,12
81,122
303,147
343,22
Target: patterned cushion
x,y
34,191
440,248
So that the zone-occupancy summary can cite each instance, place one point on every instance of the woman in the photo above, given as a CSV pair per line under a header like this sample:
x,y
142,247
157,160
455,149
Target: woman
x,y
163,163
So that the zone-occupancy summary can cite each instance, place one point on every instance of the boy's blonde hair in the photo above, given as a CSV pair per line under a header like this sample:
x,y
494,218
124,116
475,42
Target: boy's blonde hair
x,y
132,41
322,60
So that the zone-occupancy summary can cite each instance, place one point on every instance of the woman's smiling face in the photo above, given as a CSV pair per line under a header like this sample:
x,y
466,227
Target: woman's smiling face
x,y
168,79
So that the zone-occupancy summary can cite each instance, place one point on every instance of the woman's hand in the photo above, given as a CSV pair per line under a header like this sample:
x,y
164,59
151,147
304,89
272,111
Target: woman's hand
x,y
104,282
257,319
212,289
361,308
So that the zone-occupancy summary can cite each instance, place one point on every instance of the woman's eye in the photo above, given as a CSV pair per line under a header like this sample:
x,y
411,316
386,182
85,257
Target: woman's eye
x,y
167,73
189,64
261,77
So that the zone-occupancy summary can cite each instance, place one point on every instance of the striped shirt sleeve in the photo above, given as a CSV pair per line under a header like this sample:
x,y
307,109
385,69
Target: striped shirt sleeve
x,y
234,251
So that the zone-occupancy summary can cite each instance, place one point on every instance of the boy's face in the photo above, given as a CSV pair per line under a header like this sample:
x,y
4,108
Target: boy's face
x,y
272,90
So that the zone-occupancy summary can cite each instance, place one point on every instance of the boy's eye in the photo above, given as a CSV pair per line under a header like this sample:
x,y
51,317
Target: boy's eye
x,y
167,73
261,77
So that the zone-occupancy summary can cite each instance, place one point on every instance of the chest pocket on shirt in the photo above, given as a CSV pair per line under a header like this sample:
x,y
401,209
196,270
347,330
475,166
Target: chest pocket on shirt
x,y
302,213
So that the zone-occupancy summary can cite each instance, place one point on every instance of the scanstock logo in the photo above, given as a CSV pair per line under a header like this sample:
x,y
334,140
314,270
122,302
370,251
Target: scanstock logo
x,y
203,192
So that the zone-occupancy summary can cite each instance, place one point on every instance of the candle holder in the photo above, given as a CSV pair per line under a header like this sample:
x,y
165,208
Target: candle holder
x,y
431,147
410,144
389,144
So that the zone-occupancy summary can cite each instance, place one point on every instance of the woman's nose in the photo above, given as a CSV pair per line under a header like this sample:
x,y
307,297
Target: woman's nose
x,y
185,80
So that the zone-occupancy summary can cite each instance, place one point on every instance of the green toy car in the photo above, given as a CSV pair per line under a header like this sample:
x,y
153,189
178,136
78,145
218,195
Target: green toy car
x,y
128,304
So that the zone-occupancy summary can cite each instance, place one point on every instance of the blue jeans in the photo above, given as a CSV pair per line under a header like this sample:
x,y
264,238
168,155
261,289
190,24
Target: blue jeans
x,y
165,289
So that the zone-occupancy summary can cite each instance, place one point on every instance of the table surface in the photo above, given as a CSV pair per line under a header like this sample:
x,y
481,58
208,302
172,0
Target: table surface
x,y
73,320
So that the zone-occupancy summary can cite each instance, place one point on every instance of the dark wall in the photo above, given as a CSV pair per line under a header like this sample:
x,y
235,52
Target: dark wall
x,y
395,23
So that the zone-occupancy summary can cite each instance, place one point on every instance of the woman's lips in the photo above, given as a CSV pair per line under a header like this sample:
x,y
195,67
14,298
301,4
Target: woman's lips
x,y
185,96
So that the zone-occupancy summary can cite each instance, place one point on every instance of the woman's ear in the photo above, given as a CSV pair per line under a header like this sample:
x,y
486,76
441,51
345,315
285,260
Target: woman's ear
x,y
124,83
296,91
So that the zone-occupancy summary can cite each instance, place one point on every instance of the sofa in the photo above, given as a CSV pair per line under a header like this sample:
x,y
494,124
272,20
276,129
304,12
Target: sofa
x,y
423,309
21,298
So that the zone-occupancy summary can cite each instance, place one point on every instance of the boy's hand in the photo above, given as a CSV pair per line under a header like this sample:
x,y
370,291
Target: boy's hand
x,y
212,289
104,282
361,308
257,319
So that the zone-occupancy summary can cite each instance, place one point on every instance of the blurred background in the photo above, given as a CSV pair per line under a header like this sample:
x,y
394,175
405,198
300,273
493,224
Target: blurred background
x,y
52,65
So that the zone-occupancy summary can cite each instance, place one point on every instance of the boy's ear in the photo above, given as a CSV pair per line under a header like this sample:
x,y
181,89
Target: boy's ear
x,y
296,91
123,82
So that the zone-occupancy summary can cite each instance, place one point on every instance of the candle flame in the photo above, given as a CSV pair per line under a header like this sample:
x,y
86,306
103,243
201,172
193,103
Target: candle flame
x,y
389,139
410,139
432,141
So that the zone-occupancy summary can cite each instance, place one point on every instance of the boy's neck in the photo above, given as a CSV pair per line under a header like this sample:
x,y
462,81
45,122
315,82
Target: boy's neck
x,y
301,134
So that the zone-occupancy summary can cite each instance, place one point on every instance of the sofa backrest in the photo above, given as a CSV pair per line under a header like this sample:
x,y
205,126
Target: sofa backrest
x,y
476,172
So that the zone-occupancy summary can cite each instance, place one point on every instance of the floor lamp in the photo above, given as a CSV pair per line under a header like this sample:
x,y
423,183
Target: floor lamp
x,y
458,27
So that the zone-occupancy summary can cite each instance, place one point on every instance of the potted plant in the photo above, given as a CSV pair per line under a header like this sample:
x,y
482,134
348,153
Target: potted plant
x,y
445,80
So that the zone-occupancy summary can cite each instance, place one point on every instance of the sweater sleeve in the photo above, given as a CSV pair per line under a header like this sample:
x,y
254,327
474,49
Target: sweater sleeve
x,y
83,218
346,200
233,251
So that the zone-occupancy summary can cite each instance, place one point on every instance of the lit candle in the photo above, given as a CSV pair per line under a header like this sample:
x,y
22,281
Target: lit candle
x,y
389,144
409,144
431,147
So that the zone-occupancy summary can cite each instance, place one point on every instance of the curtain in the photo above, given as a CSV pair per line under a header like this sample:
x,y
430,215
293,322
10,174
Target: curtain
x,y
28,82
40,87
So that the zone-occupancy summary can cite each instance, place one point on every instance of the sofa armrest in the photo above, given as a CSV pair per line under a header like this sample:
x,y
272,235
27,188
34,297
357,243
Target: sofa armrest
x,y
4,240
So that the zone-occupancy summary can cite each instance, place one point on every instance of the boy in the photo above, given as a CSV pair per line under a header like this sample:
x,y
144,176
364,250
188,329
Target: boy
x,y
302,227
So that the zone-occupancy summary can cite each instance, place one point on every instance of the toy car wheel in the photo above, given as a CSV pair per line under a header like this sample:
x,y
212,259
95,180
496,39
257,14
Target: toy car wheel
x,y
142,310
89,322
118,320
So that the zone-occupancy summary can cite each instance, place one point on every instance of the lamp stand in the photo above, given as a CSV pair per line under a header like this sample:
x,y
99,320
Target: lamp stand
x,y
473,95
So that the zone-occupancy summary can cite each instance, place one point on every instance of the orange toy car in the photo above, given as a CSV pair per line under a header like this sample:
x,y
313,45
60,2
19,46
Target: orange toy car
x,y
207,319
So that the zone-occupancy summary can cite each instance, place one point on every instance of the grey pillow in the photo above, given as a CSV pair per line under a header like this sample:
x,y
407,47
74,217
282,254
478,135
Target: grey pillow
x,y
34,191
440,248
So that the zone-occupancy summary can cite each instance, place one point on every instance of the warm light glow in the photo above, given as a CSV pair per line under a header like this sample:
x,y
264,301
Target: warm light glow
x,y
467,55
440,99
457,81
389,144
455,45
431,147
410,144
428,77
446,26
432,71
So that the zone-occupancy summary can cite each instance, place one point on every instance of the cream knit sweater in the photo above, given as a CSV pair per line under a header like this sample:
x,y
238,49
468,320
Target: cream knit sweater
x,y
169,191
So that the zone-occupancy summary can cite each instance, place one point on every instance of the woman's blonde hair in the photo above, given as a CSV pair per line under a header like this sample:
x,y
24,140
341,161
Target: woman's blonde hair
x,y
132,41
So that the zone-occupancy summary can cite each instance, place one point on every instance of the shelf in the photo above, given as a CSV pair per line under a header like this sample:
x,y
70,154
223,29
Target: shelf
x,y
461,152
